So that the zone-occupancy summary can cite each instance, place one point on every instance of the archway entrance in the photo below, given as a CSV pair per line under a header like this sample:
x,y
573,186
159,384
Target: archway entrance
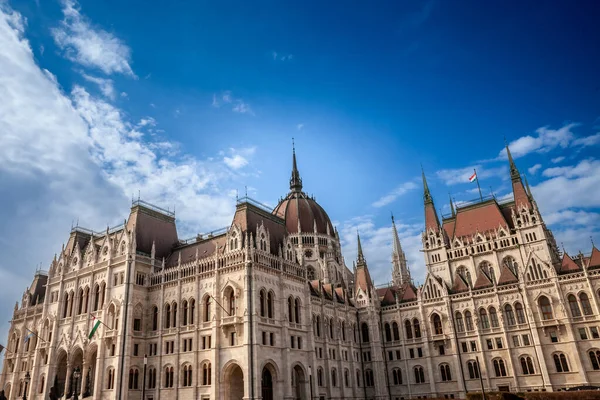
x,y
76,362
90,376
299,383
234,383
267,384
61,374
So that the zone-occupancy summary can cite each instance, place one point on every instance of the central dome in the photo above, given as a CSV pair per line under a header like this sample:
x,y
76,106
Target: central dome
x,y
300,212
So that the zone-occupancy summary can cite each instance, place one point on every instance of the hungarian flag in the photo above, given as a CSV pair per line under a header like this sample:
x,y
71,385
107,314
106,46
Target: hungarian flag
x,y
28,337
473,177
95,327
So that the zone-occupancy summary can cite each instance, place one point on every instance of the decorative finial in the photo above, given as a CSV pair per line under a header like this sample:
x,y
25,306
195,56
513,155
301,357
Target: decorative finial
x,y
392,217
451,205
236,196
295,180
592,240
426,195
246,188
361,257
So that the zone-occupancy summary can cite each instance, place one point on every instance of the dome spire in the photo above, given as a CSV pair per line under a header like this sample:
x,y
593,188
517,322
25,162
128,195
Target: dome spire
x,y
295,180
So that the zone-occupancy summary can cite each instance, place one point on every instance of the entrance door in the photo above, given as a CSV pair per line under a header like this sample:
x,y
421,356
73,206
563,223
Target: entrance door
x,y
267,385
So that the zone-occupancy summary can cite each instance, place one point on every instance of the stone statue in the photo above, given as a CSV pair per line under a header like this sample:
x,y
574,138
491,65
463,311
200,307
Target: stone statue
x,y
2,396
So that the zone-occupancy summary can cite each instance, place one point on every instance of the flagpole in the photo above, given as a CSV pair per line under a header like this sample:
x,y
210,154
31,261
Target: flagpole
x,y
477,179
36,335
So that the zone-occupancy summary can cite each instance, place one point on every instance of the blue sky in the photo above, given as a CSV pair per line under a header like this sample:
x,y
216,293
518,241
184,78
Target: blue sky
x,y
189,103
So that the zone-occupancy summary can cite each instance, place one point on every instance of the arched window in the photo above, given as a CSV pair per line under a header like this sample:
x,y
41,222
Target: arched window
x,y
41,384
499,367
133,378
445,372
184,311
460,326
110,381
437,324
520,313
343,330
207,309
357,378
318,326
290,303
395,330
560,362
419,375
169,377
468,320
154,318
206,373
297,310
231,302
310,273
151,378
493,317
369,381
187,376
397,376
331,328
586,307
546,308
511,264
595,359
174,310
96,297
484,322
80,302
167,316
365,332
473,370
417,328
408,328
270,305
388,332
509,315
333,377
319,377
102,294
346,378
465,274
262,303
192,311
574,306
527,365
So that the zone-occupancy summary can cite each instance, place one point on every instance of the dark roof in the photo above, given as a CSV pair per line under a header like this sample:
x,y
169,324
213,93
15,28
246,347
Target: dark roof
x,y
506,276
483,281
152,226
459,284
297,206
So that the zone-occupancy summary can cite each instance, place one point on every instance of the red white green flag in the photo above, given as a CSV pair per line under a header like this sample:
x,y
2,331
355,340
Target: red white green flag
x,y
94,327
473,177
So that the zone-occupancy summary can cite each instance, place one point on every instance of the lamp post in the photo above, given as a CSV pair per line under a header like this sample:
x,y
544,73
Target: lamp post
x,y
27,380
76,375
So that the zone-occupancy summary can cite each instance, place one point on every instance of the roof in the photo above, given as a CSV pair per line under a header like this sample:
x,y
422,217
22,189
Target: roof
x,y
594,261
387,295
204,248
249,217
299,209
482,281
459,284
506,276
152,226
480,217
568,265
431,219
409,293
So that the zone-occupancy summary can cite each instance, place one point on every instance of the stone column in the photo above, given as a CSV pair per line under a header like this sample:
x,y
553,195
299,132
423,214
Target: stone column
x,y
83,379
68,377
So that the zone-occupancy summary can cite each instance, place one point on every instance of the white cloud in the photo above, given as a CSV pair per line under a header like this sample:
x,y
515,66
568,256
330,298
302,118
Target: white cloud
x,y
573,218
106,85
534,169
242,108
123,94
556,160
584,168
89,46
238,158
281,57
237,105
394,194
300,127
547,139
461,175
587,141
148,121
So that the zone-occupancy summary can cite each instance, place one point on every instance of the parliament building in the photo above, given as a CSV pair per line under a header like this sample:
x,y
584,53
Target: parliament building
x,y
268,309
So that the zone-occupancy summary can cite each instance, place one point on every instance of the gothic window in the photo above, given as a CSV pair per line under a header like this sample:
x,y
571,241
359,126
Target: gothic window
x,y
484,322
184,312
297,310
192,311
473,369
169,377
585,304
357,378
546,308
499,367
527,365
395,330
152,378
408,328
262,303
487,268
465,274
96,297
174,311
369,381
459,322
290,303
331,328
419,375
417,328
231,302
511,264
133,378
560,362
437,324
41,385
397,376
388,332
468,320
493,317
167,316
595,359
365,332
207,309
574,306
310,272
206,373
445,372
520,313
319,377
346,378
110,382
187,376
270,305
333,377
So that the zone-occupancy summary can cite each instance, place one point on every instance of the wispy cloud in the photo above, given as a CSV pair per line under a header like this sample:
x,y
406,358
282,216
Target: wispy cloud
x,y
587,141
238,158
281,56
106,85
394,194
534,169
461,175
300,127
556,160
89,46
237,105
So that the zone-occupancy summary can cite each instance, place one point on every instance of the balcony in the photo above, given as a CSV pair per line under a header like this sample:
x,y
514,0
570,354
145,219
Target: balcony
x,y
230,320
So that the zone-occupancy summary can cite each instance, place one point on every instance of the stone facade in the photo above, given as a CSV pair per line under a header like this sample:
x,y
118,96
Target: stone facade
x,y
267,308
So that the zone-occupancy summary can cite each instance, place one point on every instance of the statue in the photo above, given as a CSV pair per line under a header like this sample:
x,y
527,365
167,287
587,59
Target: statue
x,y
52,395
87,392
2,396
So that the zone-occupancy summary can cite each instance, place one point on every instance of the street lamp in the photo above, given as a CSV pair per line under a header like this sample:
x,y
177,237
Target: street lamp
x,y
76,375
27,380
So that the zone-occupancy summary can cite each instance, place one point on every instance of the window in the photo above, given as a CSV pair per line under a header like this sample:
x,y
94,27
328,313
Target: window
x,y
594,332
437,324
333,377
133,378
515,340
412,353
553,337
445,372
388,332
319,377
232,339
473,369
397,376
468,320
346,378
595,359
167,316
419,351
473,345
297,310
560,362
527,365
520,313
369,380
499,367
137,324
151,378
574,306
110,383
184,306
460,326
417,328
583,334
499,343
419,375
585,304
136,349
395,331
509,315
154,318
187,376
484,322
408,328
490,344
41,385
493,317
365,332
357,378
206,374
526,340
464,347
207,309
192,311
546,308
262,303
168,377
231,301
290,302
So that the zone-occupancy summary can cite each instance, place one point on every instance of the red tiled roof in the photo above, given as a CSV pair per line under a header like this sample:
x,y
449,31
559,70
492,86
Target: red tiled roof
x,y
431,220
520,194
339,292
408,293
449,227
298,206
481,217
386,296
482,281
568,265
594,258
506,276
459,284
363,279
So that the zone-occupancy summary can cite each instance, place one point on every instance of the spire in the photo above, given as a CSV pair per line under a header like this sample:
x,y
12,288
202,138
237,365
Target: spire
x,y
451,205
426,195
400,271
295,180
527,186
360,257
514,172
521,196
431,218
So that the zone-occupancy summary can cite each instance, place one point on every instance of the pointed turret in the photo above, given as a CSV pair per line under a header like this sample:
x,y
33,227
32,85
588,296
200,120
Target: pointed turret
x,y
452,206
400,271
360,257
522,198
431,218
362,275
295,180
